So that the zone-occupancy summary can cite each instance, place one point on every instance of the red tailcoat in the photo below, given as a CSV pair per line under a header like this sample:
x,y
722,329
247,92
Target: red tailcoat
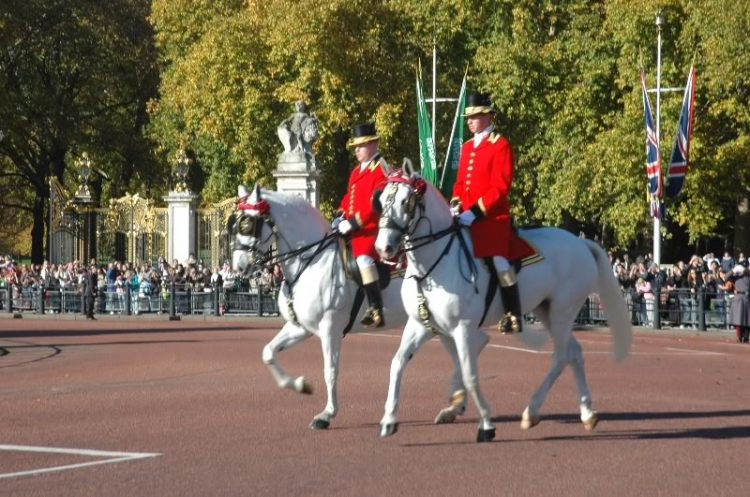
x,y
357,205
485,174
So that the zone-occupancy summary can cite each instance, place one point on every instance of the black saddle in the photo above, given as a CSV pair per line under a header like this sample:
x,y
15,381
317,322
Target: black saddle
x,y
352,270
352,273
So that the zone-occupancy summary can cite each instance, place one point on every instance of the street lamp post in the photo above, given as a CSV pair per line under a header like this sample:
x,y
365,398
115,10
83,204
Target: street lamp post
x,y
182,168
83,205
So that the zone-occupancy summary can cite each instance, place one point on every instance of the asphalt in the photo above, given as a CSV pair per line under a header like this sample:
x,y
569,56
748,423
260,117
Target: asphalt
x,y
674,416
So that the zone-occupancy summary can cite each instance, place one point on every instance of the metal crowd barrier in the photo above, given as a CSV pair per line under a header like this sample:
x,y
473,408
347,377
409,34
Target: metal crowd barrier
x,y
698,310
172,299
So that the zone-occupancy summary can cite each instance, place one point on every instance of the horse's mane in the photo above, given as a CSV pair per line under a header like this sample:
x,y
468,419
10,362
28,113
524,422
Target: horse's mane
x,y
437,193
294,215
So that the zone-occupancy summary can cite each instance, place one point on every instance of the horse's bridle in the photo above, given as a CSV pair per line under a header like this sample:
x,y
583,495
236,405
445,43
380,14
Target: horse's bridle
x,y
248,225
253,226
417,188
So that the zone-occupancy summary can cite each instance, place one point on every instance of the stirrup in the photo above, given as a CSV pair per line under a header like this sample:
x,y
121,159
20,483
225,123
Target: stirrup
x,y
509,324
373,316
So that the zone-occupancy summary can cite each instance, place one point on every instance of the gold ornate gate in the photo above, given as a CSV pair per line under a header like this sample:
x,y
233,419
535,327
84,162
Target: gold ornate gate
x,y
213,243
132,229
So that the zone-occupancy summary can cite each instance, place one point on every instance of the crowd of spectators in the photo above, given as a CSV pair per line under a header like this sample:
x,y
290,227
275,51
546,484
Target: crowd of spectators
x,y
678,286
642,281
142,280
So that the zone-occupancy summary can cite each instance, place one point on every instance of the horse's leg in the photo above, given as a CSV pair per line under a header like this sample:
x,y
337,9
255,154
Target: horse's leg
x,y
589,416
457,399
468,345
561,335
289,336
414,336
330,341
457,405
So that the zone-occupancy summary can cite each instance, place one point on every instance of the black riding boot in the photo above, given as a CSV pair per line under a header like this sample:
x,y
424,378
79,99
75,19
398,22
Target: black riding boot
x,y
512,321
374,314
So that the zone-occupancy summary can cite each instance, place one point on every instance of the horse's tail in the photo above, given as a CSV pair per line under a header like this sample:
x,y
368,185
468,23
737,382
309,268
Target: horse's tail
x,y
614,305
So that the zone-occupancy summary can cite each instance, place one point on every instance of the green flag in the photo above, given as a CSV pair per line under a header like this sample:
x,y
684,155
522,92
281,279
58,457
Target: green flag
x,y
428,164
450,168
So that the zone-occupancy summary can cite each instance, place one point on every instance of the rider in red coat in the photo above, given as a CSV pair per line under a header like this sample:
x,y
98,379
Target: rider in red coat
x,y
480,200
357,217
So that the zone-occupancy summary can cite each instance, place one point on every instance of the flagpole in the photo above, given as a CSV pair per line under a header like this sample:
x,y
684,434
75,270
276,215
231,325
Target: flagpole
x,y
657,219
434,88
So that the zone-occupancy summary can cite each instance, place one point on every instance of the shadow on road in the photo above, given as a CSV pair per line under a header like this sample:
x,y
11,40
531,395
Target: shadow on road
x,y
713,433
123,331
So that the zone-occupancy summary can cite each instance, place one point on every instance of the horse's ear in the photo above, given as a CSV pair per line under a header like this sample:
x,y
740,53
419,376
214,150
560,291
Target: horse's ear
x,y
241,191
408,166
257,191
230,223
376,205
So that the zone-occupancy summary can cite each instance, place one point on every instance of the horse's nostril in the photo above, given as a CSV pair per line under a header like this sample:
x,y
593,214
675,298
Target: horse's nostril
x,y
388,249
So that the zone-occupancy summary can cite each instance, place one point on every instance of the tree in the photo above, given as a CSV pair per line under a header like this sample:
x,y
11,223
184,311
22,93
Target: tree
x,y
75,76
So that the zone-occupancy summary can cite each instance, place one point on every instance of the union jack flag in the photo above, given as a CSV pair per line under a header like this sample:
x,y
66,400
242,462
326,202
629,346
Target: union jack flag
x,y
653,158
678,163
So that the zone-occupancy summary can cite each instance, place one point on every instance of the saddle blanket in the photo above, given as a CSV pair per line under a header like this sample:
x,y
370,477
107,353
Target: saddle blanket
x,y
521,252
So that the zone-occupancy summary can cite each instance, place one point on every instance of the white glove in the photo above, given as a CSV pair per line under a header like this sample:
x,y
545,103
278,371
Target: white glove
x,y
466,218
345,227
455,210
335,222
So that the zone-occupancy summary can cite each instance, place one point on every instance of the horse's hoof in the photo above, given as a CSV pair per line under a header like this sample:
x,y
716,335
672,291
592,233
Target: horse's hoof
x,y
319,424
486,435
388,429
446,416
528,422
591,423
303,386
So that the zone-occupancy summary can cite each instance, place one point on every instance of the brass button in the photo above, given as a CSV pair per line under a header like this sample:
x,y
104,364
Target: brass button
x,y
471,167
472,154
471,161
468,182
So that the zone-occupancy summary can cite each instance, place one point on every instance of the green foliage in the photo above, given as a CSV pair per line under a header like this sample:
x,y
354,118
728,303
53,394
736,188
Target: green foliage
x,y
74,76
82,75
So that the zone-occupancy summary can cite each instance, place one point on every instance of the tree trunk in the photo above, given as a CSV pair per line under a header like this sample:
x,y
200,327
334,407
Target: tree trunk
x,y
37,230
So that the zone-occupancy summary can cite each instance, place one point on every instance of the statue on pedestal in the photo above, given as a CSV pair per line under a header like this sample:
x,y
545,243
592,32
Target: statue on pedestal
x,y
298,132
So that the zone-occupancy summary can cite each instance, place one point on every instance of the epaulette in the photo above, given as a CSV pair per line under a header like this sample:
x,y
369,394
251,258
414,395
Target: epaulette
x,y
494,137
380,161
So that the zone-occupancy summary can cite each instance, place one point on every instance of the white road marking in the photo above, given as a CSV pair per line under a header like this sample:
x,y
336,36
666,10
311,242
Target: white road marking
x,y
695,352
378,335
113,457
518,349
672,351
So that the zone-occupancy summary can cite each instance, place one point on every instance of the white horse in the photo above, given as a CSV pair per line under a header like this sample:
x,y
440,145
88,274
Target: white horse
x,y
316,299
554,289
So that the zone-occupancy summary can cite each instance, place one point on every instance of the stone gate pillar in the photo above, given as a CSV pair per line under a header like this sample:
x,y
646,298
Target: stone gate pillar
x,y
181,232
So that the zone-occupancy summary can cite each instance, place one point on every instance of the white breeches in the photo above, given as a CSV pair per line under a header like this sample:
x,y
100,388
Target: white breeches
x,y
367,269
501,263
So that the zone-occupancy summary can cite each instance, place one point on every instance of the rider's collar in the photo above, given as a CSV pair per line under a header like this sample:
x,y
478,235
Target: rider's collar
x,y
364,165
478,137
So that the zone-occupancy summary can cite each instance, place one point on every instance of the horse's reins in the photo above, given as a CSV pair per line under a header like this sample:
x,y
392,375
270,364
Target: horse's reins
x,y
419,187
265,216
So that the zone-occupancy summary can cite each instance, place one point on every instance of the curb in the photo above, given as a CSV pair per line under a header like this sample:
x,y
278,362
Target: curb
x,y
139,318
